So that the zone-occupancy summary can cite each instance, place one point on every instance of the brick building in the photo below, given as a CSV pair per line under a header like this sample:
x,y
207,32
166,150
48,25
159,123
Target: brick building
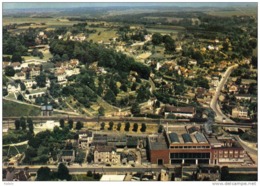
x,y
180,147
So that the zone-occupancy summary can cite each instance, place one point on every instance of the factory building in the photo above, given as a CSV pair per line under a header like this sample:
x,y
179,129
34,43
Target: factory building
x,y
189,146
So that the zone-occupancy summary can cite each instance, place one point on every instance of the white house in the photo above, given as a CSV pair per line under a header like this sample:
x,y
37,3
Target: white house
x,y
75,71
36,93
13,88
106,154
29,83
19,76
16,65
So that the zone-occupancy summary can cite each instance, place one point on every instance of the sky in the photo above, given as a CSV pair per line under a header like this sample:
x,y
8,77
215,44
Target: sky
x,y
62,5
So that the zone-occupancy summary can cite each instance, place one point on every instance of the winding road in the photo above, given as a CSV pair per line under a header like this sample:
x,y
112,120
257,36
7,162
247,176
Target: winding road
x,y
214,102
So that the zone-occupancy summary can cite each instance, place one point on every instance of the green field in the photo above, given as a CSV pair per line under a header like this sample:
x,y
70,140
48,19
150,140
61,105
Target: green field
x,y
48,21
238,12
105,34
16,109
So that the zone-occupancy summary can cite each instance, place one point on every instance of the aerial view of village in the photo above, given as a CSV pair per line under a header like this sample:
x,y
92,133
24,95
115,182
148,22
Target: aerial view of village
x,y
129,91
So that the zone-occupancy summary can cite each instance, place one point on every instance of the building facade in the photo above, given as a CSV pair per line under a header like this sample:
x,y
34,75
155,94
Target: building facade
x,y
106,154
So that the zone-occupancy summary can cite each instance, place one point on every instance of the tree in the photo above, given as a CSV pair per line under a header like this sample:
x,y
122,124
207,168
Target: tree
x,y
127,126
224,173
44,174
143,128
102,126
41,80
65,57
89,174
9,71
135,109
30,124
16,57
20,97
23,123
119,126
143,94
225,46
79,125
62,122
17,124
70,122
135,128
110,97
160,129
111,124
5,92
101,111
169,44
254,61
123,87
63,172
22,85
157,39
40,55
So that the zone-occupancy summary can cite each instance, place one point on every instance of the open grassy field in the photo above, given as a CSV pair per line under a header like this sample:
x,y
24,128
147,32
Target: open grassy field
x,y
250,11
105,35
16,109
56,21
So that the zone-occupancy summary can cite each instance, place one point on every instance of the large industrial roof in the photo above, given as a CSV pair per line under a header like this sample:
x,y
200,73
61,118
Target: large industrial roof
x,y
186,137
200,138
174,138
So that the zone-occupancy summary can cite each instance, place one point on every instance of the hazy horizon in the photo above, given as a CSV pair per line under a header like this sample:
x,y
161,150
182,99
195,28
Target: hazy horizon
x,y
64,5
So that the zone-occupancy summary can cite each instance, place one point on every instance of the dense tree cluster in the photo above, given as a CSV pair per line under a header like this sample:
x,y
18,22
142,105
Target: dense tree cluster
x,y
46,144
88,53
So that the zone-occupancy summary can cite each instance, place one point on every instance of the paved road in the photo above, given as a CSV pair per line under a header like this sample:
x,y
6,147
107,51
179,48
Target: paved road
x,y
101,169
214,102
247,148
124,169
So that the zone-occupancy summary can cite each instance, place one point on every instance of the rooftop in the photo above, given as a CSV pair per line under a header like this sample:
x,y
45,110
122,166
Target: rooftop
x,y
47,107
157,142
105,148
200,138
186,137
174,109
174,137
